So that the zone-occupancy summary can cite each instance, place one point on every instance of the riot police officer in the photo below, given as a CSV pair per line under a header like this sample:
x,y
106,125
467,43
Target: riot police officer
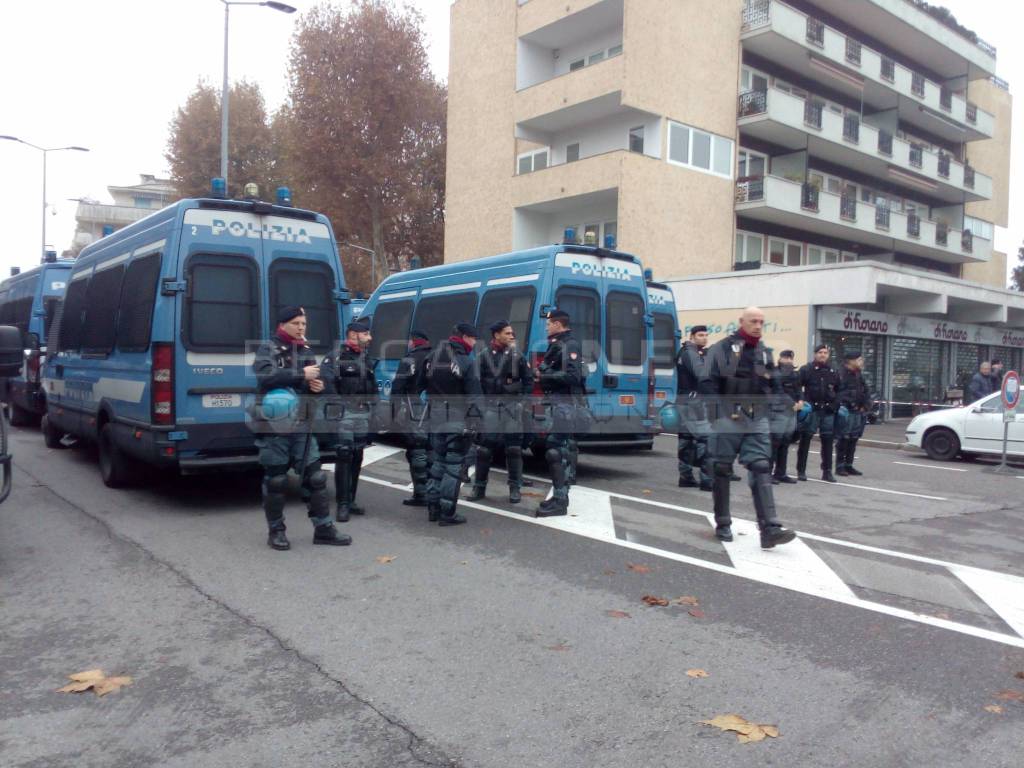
x,y
855,397
505,378
411,413
348,376
562,380
692,385
819,386
287,362
784,416
453,388
740,369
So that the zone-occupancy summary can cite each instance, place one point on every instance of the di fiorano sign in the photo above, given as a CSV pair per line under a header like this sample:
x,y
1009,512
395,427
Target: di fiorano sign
x,y
881,324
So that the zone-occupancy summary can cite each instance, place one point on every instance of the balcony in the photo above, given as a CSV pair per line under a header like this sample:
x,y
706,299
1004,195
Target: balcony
x,y
597,85
780,33
553,42
788,121
588,176
781,202
97,213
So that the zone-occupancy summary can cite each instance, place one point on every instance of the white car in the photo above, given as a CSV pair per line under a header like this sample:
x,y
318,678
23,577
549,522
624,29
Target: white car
x,y
974,429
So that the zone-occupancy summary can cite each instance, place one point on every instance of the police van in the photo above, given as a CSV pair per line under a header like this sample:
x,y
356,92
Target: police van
x,y
152,350
602,289
664,340
28,302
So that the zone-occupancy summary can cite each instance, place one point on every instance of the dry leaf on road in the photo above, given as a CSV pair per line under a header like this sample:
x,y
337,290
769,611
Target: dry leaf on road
x,y
745,731
95,679
608,572
638,567
697,673
385,559
1009,695
647,491
697,613
1019,675
652,600
994,709
559,647
688,600
618,614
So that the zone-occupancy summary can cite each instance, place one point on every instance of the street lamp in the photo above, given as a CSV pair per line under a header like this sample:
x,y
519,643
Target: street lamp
x,y
44,150
284,8
373,261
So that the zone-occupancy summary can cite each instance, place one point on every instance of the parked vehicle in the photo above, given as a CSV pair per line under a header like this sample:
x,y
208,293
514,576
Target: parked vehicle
x,y
152,349
603,290
28,302
975,429
11,351
664,340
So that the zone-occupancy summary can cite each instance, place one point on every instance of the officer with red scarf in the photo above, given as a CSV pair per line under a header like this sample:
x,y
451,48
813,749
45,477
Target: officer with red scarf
x,y
410,414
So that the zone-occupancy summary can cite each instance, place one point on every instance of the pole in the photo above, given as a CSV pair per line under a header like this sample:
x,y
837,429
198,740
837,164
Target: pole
x,y
224,108
42,251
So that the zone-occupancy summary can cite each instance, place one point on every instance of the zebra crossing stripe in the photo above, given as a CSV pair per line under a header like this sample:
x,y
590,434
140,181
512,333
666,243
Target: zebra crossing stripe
x,y
1004,594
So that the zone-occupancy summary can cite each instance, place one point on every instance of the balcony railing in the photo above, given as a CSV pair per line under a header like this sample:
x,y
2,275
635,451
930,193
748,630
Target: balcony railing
x,y
809,196
882,217
812,113
972,113
968,177
888,69
853,51
749,189
753,103
815,32
943,165
848,207
941,233
913,225
967,241
916,155
917,85
756,13
851,129
885,143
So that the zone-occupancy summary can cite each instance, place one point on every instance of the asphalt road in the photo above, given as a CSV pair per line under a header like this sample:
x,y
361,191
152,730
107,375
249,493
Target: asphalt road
x,y
877,640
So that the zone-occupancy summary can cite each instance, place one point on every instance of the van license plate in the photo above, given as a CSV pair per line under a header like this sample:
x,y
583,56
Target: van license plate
x,y
222,401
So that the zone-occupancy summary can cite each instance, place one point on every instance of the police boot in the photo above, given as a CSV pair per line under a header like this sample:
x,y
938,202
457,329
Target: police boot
x,y
826,460
772,532
433,511
558,504
514,459
851,450
274,489
483,471
720,495
802,452
329,535
415,501
448,516
357,467
343,488
841,446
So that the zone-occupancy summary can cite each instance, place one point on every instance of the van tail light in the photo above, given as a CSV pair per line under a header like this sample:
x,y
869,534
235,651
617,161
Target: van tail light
x,y
652,404
162,384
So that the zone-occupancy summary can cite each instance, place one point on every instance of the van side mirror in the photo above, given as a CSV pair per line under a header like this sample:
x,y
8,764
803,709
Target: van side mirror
x,y
12,351
544,310
649,319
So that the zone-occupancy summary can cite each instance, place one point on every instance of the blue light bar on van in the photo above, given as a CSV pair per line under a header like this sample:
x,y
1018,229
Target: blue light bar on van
x,y
284,196
570,236
648,275
218,188
609,242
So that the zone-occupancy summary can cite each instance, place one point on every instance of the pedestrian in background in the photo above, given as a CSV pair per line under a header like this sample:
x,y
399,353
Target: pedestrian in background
x,y
855,397
789,401
819,386
997,375
693,385
411,414
981,383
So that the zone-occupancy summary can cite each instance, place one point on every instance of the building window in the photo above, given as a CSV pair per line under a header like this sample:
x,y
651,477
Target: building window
x,y
978,227
751,164
615,50
143,202
572,153
578,64
595,57
636,139
536,160
749,247
700,150
785,253
598,230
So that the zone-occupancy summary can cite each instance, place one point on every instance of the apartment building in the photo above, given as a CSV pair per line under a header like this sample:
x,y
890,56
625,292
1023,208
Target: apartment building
x,y
94,219
827,159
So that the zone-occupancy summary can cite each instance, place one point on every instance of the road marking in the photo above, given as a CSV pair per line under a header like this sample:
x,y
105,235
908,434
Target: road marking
x,y
882,490
928,466
1005,595
591,510
374,453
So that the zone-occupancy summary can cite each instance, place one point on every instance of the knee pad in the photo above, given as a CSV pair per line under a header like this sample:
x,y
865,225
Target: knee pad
x,y
484,453
760,466
723,470
277,484
553,456
317,480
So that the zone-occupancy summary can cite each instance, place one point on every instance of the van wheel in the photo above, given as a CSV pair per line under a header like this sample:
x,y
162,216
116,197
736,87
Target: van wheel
x,y
116,468
22,418
51,435
941,444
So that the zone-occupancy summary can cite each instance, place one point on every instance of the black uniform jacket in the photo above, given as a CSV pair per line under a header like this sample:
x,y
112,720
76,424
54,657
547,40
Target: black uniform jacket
x,y
279,366
504,372
692,371
820,385
789,382
450,374
562,371
853,390
348,372
736,369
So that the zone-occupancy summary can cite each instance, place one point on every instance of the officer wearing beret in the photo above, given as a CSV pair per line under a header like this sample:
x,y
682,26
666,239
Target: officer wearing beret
x,y
453,388
784,417
287,362
410,414
348,376
819,385
855,397
505,378
693,385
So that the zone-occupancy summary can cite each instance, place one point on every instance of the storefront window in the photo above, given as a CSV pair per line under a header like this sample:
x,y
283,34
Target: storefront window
x,y
917,373
967,358
873,349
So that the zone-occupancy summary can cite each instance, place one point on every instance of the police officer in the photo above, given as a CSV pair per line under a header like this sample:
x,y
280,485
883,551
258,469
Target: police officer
x,y
411,413
740,369
694,428
790,401
562,380
819,385
506,379
287,362
855,397
453,387
349,378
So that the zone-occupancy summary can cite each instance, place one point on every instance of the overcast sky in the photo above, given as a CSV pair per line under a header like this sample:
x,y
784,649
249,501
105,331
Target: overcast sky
x,y
108,75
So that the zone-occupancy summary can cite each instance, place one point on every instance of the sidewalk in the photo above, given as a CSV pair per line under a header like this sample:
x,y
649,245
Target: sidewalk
x,y
891,434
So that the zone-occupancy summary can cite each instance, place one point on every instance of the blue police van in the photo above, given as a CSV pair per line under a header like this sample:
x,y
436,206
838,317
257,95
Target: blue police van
x,y
28,302
664,340
602,289
152,349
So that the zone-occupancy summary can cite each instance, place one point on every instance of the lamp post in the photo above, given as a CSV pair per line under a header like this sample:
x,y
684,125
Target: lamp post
x,y
45,151
373,261
284,8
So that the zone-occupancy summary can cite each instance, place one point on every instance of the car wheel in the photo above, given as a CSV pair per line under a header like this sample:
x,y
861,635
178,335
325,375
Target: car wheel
x,y
941,444
115,467
51,435
22,418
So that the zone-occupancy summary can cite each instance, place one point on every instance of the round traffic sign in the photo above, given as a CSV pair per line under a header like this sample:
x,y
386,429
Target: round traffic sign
x,y
1011,390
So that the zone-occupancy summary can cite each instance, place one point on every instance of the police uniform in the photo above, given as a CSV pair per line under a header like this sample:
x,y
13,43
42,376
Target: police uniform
x,y
348,377
693,385
505,379
819,385
279,364
855,397
562,379
411,414
455,409
740,370
784,417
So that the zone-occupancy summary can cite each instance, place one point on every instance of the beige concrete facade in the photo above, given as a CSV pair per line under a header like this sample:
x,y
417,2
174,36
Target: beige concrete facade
x,y
992,156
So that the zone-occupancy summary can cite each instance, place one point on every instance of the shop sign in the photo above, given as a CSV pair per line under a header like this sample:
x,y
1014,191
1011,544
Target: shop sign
x,y
882,324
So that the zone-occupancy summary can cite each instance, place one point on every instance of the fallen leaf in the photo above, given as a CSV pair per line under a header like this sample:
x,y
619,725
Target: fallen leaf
x,y
608,572
943,615
688,600
385,559
95,679
1019,675
652,600
1010,695
618,614
697,613
638,567
559,647
994,709
464,562
745,731
696,673
647,491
